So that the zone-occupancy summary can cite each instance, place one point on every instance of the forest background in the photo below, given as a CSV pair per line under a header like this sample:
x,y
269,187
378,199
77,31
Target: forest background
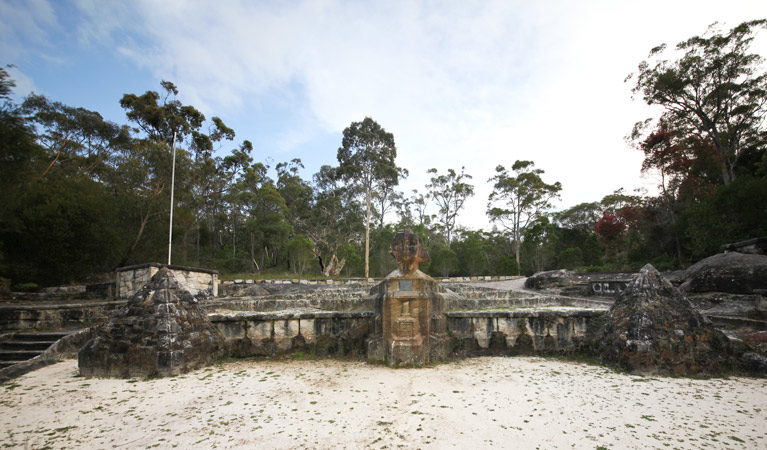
x,y
80,195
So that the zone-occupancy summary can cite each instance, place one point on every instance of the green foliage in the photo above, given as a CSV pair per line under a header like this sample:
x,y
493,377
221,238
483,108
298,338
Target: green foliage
x,y
471,253
67,231
300,253
450,192
354,263
26,287
714,90
518,201
443,261
507,265
539,247
366,160
571,258
592,251
733,213
382,262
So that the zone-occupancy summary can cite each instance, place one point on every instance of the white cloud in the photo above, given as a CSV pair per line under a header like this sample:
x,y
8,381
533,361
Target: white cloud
x,y
473,83
24,20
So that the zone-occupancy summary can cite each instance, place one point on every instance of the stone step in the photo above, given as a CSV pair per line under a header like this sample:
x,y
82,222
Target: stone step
x,y
4,364
25,345
38,336
737,321
17,355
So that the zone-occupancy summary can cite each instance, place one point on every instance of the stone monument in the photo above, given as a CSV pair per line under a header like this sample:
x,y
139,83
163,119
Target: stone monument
x,y
652,327
161,331
409,327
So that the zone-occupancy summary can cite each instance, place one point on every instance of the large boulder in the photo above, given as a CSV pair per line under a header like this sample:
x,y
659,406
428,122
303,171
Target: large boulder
x,y
734,273
653,328
161,331
550,279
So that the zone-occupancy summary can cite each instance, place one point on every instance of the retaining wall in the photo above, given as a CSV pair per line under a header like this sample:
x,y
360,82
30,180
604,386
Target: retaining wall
x,y
329,333
322,333
523,331
202,283
18,317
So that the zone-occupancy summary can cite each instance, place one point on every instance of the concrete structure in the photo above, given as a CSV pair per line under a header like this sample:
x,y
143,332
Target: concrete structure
x,y
201,283
607,288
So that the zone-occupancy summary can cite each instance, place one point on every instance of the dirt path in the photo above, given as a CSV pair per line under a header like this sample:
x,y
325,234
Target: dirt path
x,y
476,403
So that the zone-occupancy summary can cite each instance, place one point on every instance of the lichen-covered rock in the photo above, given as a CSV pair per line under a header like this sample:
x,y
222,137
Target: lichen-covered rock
x,y
161,331
734,273
550,279
653,328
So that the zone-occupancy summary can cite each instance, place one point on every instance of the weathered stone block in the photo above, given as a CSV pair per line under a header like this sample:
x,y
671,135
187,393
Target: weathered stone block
x,y
652,327
161,331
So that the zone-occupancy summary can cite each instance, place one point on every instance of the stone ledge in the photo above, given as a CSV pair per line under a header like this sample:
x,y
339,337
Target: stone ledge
x,y
54,306
169,266
342,281
532,312
288,315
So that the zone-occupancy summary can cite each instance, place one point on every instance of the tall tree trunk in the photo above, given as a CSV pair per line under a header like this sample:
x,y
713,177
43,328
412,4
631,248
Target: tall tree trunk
x,y
197,258
253,251
367,238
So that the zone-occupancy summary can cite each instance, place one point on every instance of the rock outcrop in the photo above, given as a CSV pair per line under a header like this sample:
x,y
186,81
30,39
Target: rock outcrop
x,y
550,279
732,272
653,328
161,331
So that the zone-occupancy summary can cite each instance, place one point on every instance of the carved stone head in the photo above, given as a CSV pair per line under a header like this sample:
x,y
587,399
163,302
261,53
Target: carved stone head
x,y
408,249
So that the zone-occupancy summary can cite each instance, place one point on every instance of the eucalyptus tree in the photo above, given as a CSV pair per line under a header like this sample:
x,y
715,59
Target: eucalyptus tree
x,y
419,203
334,220
716,91
296,192
77,140
366,161
162,120
387,199
518,200
449,192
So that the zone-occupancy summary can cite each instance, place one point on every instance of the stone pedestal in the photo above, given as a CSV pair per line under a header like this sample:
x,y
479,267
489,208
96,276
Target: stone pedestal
x,y
409,327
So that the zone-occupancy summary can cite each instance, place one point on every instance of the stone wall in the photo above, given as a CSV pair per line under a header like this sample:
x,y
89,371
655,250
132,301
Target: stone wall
x,y
321,333
201,283
231,286
523,331
472,333
18,317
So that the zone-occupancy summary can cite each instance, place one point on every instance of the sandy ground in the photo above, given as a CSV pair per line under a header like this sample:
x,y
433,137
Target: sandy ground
x,y
475,403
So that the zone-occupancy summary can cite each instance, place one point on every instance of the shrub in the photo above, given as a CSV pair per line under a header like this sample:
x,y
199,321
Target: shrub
x,y
570,258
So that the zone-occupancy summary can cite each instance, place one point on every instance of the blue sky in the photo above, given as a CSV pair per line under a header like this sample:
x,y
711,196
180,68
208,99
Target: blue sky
x,y
458,83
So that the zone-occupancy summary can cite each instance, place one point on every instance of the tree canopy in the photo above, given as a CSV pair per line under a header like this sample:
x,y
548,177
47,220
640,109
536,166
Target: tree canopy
x,y
518,200
81,195
366,160
714,91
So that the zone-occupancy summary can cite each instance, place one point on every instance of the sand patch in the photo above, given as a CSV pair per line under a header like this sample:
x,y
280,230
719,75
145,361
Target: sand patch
x,y
475,403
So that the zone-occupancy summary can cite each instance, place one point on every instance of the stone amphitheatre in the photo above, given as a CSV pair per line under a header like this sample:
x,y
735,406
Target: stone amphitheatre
x,y
172,357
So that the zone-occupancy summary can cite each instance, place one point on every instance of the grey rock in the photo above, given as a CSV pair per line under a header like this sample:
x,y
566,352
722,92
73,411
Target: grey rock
x,y
735,273
161,331
652,327
550,279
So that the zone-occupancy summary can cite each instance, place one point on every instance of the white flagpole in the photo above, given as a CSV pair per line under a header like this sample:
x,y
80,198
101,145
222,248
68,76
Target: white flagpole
x,y
172,185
